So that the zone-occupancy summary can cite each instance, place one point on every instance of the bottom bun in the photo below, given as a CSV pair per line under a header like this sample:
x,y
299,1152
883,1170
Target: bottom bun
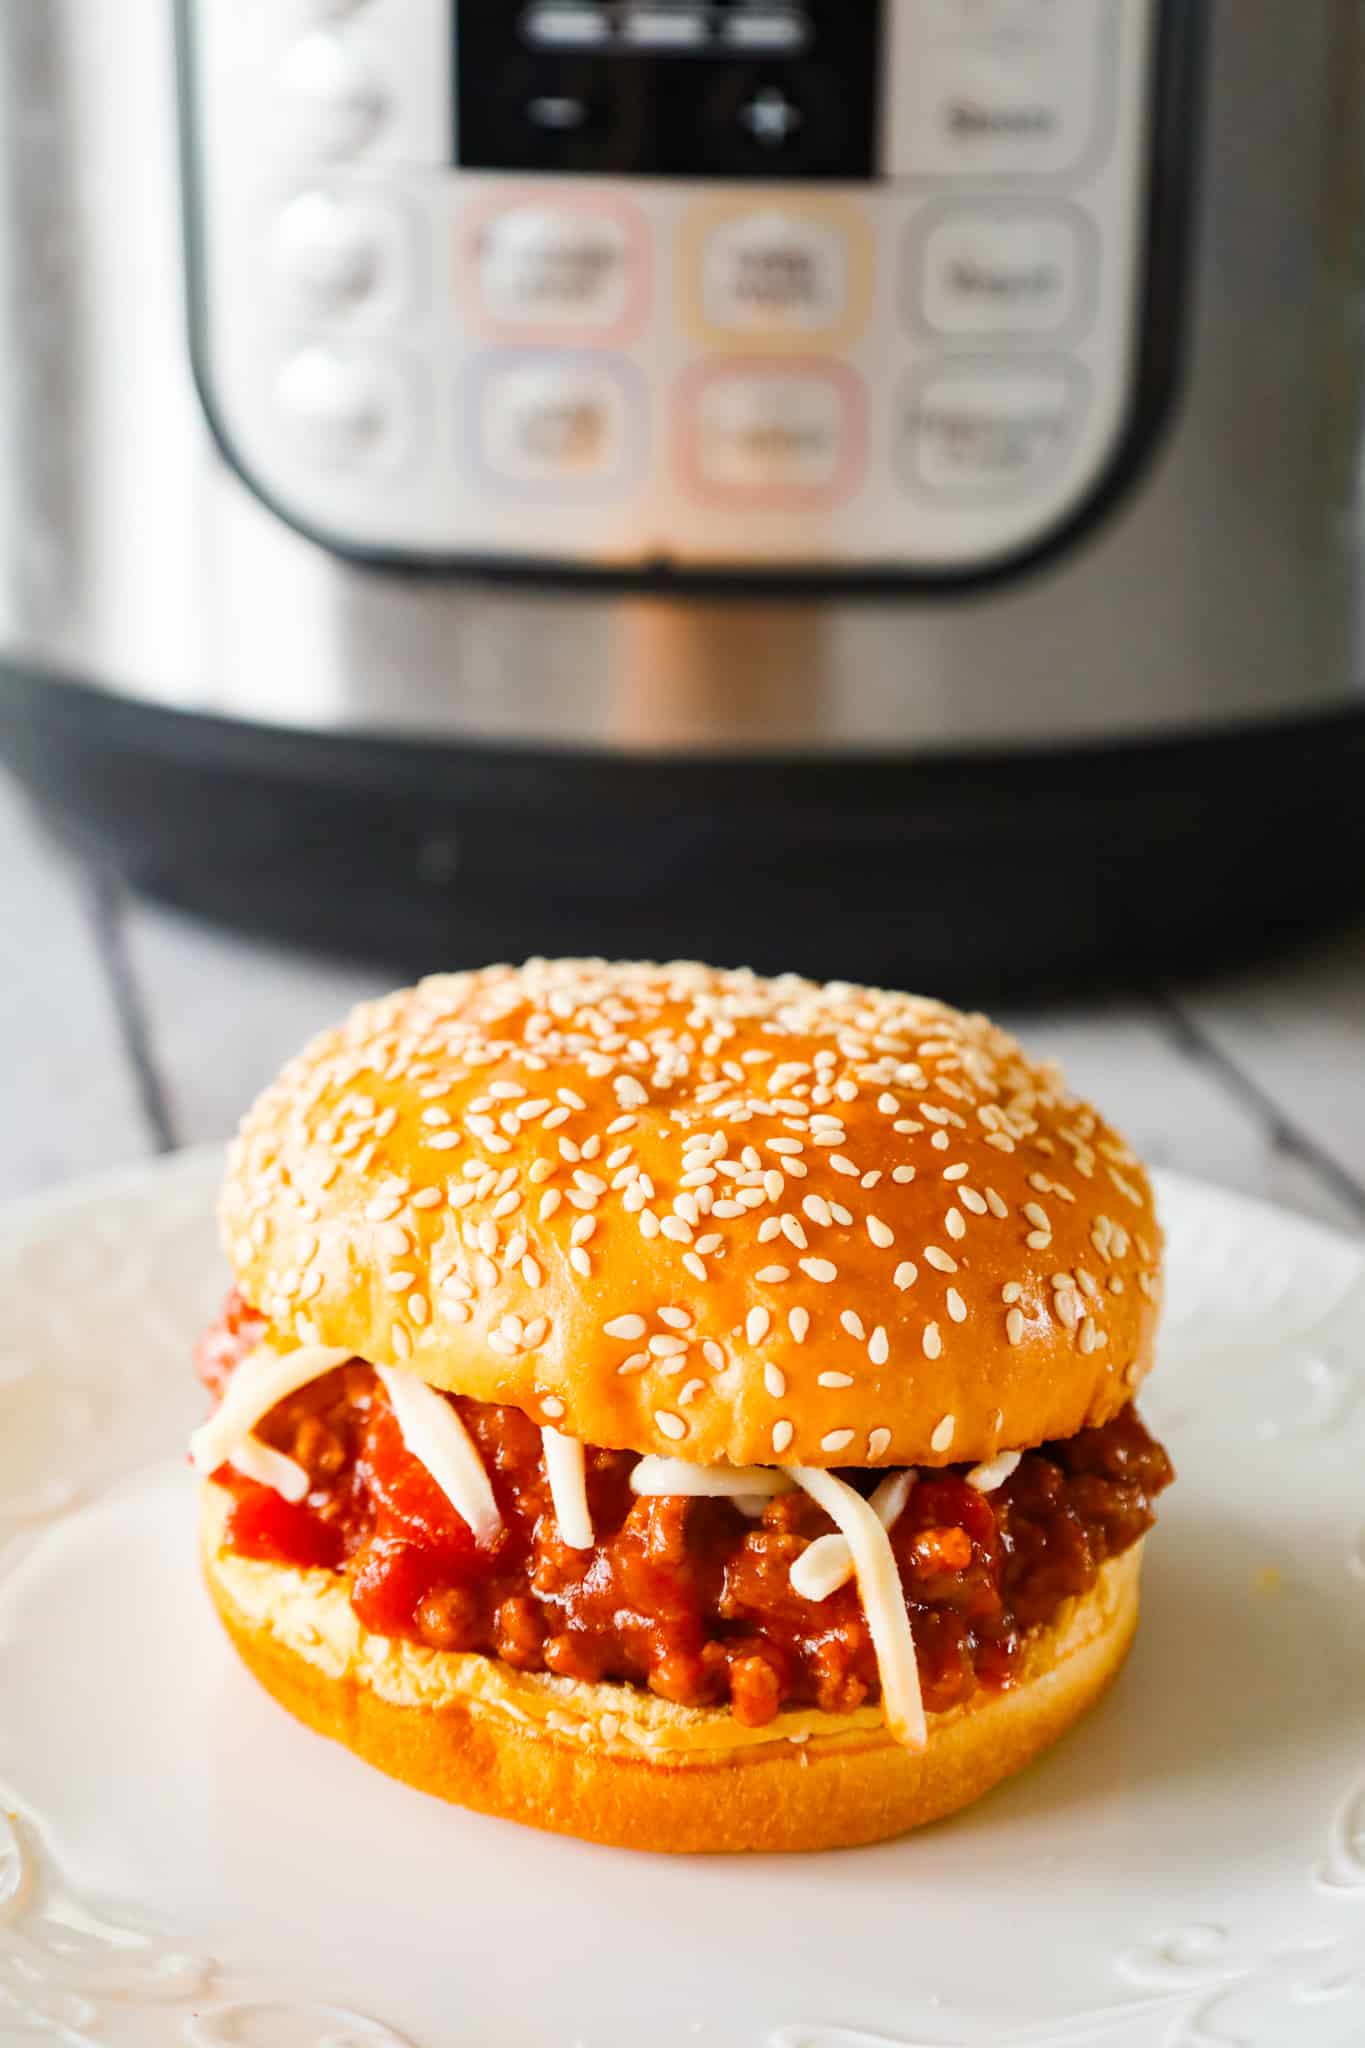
x,y
613,1764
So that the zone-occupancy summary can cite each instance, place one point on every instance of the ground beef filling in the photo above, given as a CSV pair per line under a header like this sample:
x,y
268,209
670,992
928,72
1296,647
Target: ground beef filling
x,y
690,1598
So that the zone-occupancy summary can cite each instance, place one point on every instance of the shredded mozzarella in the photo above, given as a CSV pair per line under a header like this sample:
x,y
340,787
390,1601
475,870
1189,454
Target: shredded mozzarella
x,y
437,1438
260,1382
565,1470
269,1467
828,1562
879,1587
727,1482
985,1478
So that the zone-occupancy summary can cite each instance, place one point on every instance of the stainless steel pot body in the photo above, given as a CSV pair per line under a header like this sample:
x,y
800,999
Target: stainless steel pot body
x,y
1217,588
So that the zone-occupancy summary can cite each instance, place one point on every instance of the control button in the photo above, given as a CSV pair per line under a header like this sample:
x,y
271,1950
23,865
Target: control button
x,y
333,103
556,423
564,25
767,30
773,436
335,257
984,431
770,117
667,27
771,270
568,269
761,124
1003,273
345,408
991,94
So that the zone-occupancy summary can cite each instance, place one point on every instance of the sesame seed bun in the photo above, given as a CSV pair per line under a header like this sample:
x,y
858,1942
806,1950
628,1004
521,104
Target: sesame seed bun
x,y
612,1764
704,1214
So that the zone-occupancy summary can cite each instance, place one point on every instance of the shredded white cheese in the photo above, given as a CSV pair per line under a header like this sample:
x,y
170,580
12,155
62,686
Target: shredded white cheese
x,y
437,1438
564,1468
879,1587
269,1467
828,1562
722,1482
985,1478
260,1382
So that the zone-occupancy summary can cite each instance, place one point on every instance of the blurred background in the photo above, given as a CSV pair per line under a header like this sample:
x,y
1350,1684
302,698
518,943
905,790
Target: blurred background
x,y
871,490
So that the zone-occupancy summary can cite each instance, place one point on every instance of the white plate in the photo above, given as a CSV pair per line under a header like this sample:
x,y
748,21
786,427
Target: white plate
x,y
185,1864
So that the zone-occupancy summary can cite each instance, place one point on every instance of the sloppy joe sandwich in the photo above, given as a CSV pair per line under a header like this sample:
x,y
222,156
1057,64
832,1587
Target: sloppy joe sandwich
x,y
678,1408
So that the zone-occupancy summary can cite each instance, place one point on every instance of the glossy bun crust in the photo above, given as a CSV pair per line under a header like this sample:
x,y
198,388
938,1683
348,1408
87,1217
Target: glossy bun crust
x,y
555,1754
704,1214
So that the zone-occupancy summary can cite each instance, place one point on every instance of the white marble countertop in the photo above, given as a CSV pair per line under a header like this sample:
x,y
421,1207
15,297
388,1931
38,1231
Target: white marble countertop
x,y
127,1030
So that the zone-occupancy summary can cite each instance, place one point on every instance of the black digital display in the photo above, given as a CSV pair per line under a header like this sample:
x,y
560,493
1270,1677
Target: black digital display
x,y
736,89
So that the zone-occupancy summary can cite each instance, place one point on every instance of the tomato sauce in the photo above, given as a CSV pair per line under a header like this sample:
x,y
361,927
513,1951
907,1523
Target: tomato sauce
x,y
688,1597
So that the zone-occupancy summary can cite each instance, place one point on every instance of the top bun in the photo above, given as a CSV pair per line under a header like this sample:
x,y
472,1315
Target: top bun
x,y
704,1214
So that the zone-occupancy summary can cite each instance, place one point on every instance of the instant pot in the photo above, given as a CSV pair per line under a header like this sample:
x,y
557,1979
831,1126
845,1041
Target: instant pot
x,y
868,488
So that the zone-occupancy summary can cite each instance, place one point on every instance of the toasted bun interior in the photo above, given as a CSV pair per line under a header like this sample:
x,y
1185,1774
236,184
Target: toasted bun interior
x,y
704,1215
613,1764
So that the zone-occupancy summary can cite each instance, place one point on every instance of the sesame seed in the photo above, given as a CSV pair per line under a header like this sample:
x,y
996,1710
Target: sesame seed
x,y
418,1308
783,1433
846,1167
402,1342
551,1405
879,1348
1038,1240
905,1275
793,1232
446,1141
670,1425
903,1174
394,1239
773,1276
853,1323
627,1328
821,1270
580,1262
840,1213
549,1202
713,1354
756,1325
667,1347
957,1307
583,1230
958,1172
932,1341
837,1440
798,1322
775,1381
399,1280
835,1379
816,1209
943,1434
1014,1326
880,1233
970,1199
996,1204
941,1261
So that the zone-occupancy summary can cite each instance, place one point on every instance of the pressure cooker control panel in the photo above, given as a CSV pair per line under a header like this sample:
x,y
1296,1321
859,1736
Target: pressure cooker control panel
x,y
735,285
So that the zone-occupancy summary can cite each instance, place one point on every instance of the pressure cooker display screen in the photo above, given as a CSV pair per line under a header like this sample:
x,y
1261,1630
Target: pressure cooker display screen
x,y
780,89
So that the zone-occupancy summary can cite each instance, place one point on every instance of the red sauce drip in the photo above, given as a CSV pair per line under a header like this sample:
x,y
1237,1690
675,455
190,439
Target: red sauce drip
x,y
687,1597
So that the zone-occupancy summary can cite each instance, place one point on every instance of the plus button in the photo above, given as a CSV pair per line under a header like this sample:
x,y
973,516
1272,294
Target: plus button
x,y
770,117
